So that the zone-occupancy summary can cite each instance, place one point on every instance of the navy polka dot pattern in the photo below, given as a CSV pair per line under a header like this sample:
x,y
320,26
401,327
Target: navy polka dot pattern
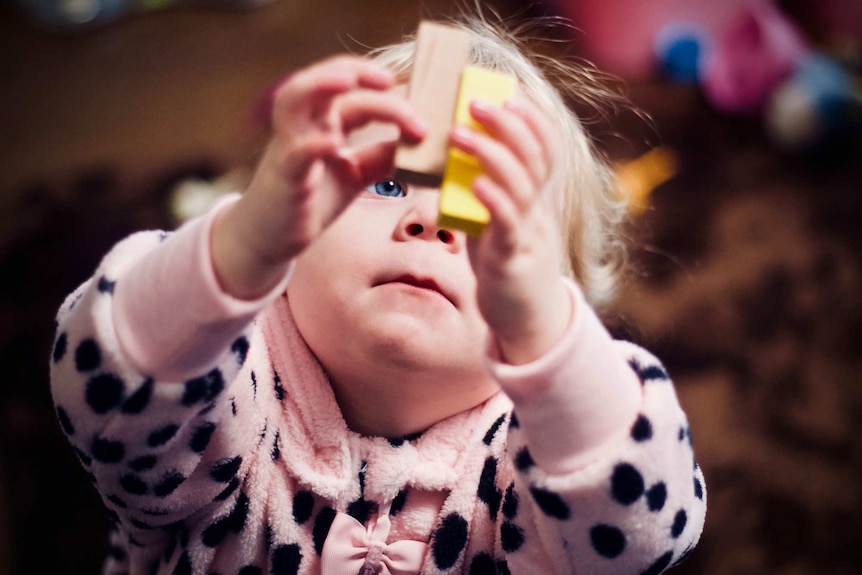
x,y
240,349
642,429
108,451
449,540
648,372
492,431
168,483
482,564
201,436
233,522
203,388
106,286
87,356
488,492
607,540
511,537
104,392
398,503
627,484
60,347
550,503
225,493
656,496
286,559
277,387
659,564
303,505
679,521
510,502
225,469
133,484
162,435
523,460
143,463
203,474
140,399
321,528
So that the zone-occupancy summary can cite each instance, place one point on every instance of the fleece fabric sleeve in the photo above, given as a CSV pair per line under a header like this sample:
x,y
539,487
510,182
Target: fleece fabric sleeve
x,y
152,414
580,379
172,296
602,454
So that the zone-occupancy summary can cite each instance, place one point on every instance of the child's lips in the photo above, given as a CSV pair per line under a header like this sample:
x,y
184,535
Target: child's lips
x,y
422,282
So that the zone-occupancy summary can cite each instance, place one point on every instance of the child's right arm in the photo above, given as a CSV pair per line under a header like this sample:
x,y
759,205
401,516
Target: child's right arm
x,y
146,350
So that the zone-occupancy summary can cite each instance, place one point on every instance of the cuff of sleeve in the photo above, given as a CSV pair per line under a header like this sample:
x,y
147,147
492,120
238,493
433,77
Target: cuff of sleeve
x,y
171,315
576,400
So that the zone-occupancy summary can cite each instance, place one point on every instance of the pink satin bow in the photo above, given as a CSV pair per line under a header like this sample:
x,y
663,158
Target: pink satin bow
x,y
351,549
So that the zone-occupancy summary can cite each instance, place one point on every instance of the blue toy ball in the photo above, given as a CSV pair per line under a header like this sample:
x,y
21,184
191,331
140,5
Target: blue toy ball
x,y
679,49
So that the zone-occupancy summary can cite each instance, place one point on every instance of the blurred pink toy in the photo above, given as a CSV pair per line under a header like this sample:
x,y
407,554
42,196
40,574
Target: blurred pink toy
x,y
749,59
620,35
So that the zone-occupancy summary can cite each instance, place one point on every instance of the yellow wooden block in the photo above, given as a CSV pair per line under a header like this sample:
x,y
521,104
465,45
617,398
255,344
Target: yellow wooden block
x,y
459,207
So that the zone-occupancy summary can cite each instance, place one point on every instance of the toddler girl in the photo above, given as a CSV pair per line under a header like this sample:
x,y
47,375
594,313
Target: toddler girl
x,y
315,378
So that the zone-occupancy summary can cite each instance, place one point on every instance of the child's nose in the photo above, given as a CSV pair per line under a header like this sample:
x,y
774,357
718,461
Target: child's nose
x,y
418,230
420,220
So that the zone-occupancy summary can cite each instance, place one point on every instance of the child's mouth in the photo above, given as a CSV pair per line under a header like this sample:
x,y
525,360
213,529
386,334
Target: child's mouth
x,y
422,283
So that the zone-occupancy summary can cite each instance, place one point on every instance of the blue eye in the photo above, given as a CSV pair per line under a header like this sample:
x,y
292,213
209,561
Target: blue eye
x,y
387,189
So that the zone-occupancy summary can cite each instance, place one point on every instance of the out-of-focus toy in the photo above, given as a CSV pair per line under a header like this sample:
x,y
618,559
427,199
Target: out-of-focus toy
x,y
753,54
193,197
636,179
820,101
620,36
748,57
72,15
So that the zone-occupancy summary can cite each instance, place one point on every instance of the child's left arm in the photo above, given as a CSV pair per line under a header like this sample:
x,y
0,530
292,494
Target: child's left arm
x,y
517,259
604,466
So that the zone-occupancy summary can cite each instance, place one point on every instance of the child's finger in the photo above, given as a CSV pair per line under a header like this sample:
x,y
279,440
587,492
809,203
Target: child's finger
x,y
314,87
510,126
341,73
536,122
371,162
504,215
499,163
362,107
299,159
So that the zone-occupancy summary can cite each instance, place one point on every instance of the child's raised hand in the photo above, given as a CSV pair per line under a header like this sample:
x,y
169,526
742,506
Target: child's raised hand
x,y
308,174
517,259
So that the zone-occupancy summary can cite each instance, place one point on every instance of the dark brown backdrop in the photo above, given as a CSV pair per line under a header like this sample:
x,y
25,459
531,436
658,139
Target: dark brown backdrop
x,y
747,284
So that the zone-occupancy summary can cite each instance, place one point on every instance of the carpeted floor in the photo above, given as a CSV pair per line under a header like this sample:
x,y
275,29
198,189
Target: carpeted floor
x,y
752,300
746,283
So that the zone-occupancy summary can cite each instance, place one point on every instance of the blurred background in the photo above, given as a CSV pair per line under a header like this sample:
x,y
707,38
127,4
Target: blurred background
x,y
742,146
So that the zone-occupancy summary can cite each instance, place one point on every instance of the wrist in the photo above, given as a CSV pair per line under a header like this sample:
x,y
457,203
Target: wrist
x,y
242,269
540,329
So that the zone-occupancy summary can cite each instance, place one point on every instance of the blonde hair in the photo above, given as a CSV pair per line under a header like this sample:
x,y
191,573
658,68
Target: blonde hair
x,y
590,211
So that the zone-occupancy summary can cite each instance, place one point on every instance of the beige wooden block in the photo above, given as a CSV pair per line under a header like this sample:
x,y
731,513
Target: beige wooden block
x,y
441,53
